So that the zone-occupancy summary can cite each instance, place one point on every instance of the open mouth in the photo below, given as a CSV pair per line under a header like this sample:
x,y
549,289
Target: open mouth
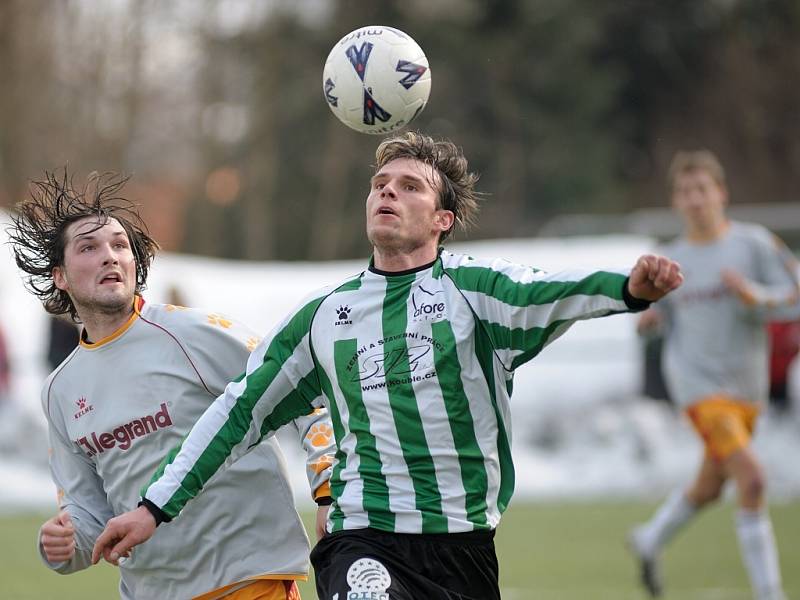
x,y
386,211
111,278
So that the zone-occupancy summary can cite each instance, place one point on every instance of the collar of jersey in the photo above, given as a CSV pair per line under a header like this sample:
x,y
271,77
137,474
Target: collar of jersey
x,y
138,302
374,269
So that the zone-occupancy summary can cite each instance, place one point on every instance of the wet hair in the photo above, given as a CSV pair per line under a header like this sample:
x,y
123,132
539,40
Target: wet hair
x,y
37,234
457,190
685,161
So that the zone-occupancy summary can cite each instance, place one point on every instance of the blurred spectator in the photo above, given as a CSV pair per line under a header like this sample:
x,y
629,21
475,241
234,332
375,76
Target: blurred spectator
x,y
64,336
784,346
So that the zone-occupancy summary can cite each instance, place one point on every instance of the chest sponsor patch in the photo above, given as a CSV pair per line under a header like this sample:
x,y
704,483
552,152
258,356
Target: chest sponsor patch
x,y
122,437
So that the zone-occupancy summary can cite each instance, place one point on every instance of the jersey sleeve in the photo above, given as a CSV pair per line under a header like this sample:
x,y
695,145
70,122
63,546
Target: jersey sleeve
x,y
524,309
279,385
81,494
777,289
315,431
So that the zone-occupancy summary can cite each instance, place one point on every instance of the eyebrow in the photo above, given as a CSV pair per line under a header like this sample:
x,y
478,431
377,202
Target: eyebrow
x,y
411,178
90,235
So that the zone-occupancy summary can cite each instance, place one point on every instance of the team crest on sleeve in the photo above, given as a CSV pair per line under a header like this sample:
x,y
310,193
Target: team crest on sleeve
x,y
368,580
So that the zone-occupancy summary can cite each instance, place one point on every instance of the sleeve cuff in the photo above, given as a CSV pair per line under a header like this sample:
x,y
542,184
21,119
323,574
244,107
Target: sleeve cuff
x,y
634,304
159,515
324,501
323,491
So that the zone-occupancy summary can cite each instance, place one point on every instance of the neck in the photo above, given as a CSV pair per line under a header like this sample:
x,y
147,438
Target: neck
x,y
391,260
705,233
99,324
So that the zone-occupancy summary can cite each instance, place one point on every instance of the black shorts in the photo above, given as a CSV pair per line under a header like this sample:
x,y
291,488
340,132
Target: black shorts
x,y
367,564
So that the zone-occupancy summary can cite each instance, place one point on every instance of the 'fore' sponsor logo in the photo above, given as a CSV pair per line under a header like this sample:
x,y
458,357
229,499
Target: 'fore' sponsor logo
x,y
122,437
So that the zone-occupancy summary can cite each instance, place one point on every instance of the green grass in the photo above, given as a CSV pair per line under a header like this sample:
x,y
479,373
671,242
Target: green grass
x,y
547,551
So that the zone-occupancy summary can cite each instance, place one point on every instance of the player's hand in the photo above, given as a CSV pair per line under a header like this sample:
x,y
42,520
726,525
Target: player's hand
x,y
58,538
322,520
740,286
122,533
653,277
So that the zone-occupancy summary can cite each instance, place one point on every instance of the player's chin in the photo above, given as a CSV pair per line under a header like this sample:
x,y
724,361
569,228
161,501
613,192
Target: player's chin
x,y
114,299
382,233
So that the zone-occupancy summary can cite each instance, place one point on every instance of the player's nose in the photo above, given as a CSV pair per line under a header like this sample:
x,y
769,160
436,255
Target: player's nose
x,y
387,191
110,256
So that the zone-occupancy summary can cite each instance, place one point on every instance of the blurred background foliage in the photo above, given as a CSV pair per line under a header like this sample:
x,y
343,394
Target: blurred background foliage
x,y
565,106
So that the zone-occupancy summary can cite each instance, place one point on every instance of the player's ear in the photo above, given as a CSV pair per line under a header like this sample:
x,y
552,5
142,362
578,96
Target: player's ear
x,y
444,219
59,278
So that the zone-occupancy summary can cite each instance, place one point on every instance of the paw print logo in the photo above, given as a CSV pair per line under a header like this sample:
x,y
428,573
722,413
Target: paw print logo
x,y
252,342
322,464
343,312
216,319
320,435
81,402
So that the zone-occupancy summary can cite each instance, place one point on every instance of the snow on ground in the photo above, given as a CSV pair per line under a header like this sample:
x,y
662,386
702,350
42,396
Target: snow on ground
x,y
580,430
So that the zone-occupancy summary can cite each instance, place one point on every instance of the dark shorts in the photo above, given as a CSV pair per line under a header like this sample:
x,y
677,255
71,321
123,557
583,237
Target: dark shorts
x,y
367,564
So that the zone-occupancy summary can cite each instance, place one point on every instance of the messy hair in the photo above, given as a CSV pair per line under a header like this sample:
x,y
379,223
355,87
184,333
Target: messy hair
x,y
696,160
457,190
37,234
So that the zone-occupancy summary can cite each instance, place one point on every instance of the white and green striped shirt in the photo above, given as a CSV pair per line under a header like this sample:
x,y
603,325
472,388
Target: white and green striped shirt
x,y
416,369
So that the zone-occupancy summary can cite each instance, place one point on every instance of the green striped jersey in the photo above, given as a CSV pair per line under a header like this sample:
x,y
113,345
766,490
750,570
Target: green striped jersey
x,y
416,369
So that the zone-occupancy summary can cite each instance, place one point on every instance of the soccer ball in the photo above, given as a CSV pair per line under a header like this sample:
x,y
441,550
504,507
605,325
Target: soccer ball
x,y
376,79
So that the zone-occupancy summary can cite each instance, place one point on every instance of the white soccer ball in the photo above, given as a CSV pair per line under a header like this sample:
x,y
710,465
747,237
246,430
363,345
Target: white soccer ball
x,y
376,79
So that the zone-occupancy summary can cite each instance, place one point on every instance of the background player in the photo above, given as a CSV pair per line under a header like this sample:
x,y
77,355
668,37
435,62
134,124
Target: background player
x,y
716,361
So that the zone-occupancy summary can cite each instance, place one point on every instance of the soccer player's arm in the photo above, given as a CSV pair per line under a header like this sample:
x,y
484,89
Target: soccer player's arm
x,y
220,347
775,296
278,386
523,309
81,496
316,436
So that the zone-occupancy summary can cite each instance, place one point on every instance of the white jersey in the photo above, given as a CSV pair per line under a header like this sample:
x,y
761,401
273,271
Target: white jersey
x,y
117,407
715,343
416,369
